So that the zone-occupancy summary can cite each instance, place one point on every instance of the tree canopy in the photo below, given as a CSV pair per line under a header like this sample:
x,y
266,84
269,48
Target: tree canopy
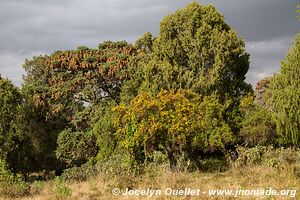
x,y
205,53
284,96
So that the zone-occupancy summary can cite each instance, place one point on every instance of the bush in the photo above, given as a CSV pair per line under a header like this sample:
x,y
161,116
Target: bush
x,y
82,173
266,156
280,157
10,184
75,148
122,168
246,156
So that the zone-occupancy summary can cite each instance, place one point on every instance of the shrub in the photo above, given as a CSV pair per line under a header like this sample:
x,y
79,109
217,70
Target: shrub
x,y
121,168
10,184
82,173
266,156
75,148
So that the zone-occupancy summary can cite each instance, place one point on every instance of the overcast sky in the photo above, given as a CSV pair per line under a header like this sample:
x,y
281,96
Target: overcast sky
x,y
34,27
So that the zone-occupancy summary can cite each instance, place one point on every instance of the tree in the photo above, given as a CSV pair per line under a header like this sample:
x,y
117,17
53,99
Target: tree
x,y
206,54
172,122
195,50
15,145
62,92
42,130
104,131
284,96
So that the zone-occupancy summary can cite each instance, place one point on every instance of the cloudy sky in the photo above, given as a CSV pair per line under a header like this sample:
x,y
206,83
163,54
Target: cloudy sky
x,y
34,27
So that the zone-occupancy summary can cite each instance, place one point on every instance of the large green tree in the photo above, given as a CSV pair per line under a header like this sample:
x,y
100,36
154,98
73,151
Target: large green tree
x,y
194,50
284,96
206,54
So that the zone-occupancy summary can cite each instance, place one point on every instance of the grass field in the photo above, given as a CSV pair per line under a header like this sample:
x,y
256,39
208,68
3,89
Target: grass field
x,y
257,169
101,186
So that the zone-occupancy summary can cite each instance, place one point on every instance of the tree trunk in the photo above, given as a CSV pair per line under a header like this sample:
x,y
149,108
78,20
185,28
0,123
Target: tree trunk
x,y
172,160
193,158
197,163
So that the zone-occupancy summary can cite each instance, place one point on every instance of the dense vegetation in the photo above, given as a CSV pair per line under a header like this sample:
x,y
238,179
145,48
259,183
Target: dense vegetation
x,y
181,94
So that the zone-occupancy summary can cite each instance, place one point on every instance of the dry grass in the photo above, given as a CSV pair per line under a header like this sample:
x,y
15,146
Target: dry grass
x,y
249,177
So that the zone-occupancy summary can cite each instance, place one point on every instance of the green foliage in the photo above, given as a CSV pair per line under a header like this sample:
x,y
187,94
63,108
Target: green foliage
x,y
75,148
10,100
15,145
257,126
10,184
36,73
209,55
64,90
284,97
104,132
41,132
6,176
81,173
145,42
161,75
120,167
172,123
249,156
26,139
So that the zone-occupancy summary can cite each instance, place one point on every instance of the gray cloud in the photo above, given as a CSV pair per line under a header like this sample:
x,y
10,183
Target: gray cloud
x,y
31,26
265,57
10,67
258,20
